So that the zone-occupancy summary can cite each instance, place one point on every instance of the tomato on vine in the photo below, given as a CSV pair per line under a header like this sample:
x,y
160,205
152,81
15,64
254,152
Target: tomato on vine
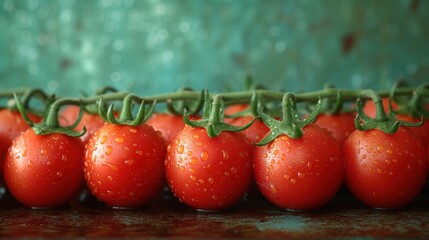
x,y
208,173
294,174
44,171
385,170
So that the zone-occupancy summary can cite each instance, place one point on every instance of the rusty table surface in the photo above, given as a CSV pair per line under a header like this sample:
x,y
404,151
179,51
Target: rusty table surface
x,y
344,217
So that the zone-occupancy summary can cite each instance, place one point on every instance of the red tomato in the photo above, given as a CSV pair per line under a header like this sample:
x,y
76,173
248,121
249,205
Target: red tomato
x,y
255,132
92,122
208,173
44,170
12,125
168,124
340,125
422,132
385,170
299,174
236,108
369,107
124,165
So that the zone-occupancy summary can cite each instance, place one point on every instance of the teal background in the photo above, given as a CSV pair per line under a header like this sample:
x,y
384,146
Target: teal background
x,y
156,46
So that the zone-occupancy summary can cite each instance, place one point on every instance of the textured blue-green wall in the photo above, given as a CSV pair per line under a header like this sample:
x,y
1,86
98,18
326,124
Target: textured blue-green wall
x,y
158,46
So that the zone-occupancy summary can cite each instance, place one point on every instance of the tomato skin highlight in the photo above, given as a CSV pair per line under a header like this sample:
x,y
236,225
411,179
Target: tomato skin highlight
x,y
208,173
299,174
124,165
385,170
340,125
44,171
168,124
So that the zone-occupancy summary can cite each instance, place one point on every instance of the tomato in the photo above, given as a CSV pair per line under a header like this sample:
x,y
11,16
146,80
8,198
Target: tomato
x,y
255,132
299,174
44,170
236,108
208,173
124,165
385,170
340,125
168,124
12,125
92,122
422,131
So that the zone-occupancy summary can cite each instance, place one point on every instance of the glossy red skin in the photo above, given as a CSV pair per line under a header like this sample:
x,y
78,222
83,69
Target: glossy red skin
x,y
299,174
422,131
255,132
124,165
12,125
44,171
385,170
340,125
92,122
208,173
168,124
236,108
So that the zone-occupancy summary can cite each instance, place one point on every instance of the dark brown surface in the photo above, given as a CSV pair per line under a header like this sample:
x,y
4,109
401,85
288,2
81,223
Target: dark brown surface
x,y
344,217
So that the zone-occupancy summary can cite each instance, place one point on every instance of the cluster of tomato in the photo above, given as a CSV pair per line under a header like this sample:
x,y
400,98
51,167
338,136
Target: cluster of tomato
x,y
126,166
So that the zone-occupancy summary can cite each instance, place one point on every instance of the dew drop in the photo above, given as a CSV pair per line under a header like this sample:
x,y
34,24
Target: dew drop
x,y
293,181
48,163
332,159
111,166
110,178
204,155
64,158
233,170
103,139
109,150
24,153
379,170
214,197
191,170
201,181
119,140
389,151
391,173
180,149
276,152
286,176
133,130
225,155
273,188
376,162
211,180
43,151
139,152
288,150
109,192
380,149
189,153
129,162
59,174
301,175
193,161
192,177
199,144
196,136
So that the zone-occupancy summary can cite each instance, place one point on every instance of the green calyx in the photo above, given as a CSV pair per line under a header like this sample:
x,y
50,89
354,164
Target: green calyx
x,y
213,117
126,117
290,124
386,123
50,124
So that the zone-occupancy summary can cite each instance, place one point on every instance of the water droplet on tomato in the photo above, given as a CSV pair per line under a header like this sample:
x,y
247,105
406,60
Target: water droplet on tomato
x,y
300,175
133,130
48,162
193,161
380,149
196,136
64,158
191,170
192,177
379,171
273,188
211,180
43,151
180,149
110,178
286,176
103,139
199,144
109,192
276,152
389,151
119,140
204,155
226,173
293,181
233,170
182,168
375,162
111,166
332,159
201,181
391,173
59,174
214,197
409,167
109,150
129,162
